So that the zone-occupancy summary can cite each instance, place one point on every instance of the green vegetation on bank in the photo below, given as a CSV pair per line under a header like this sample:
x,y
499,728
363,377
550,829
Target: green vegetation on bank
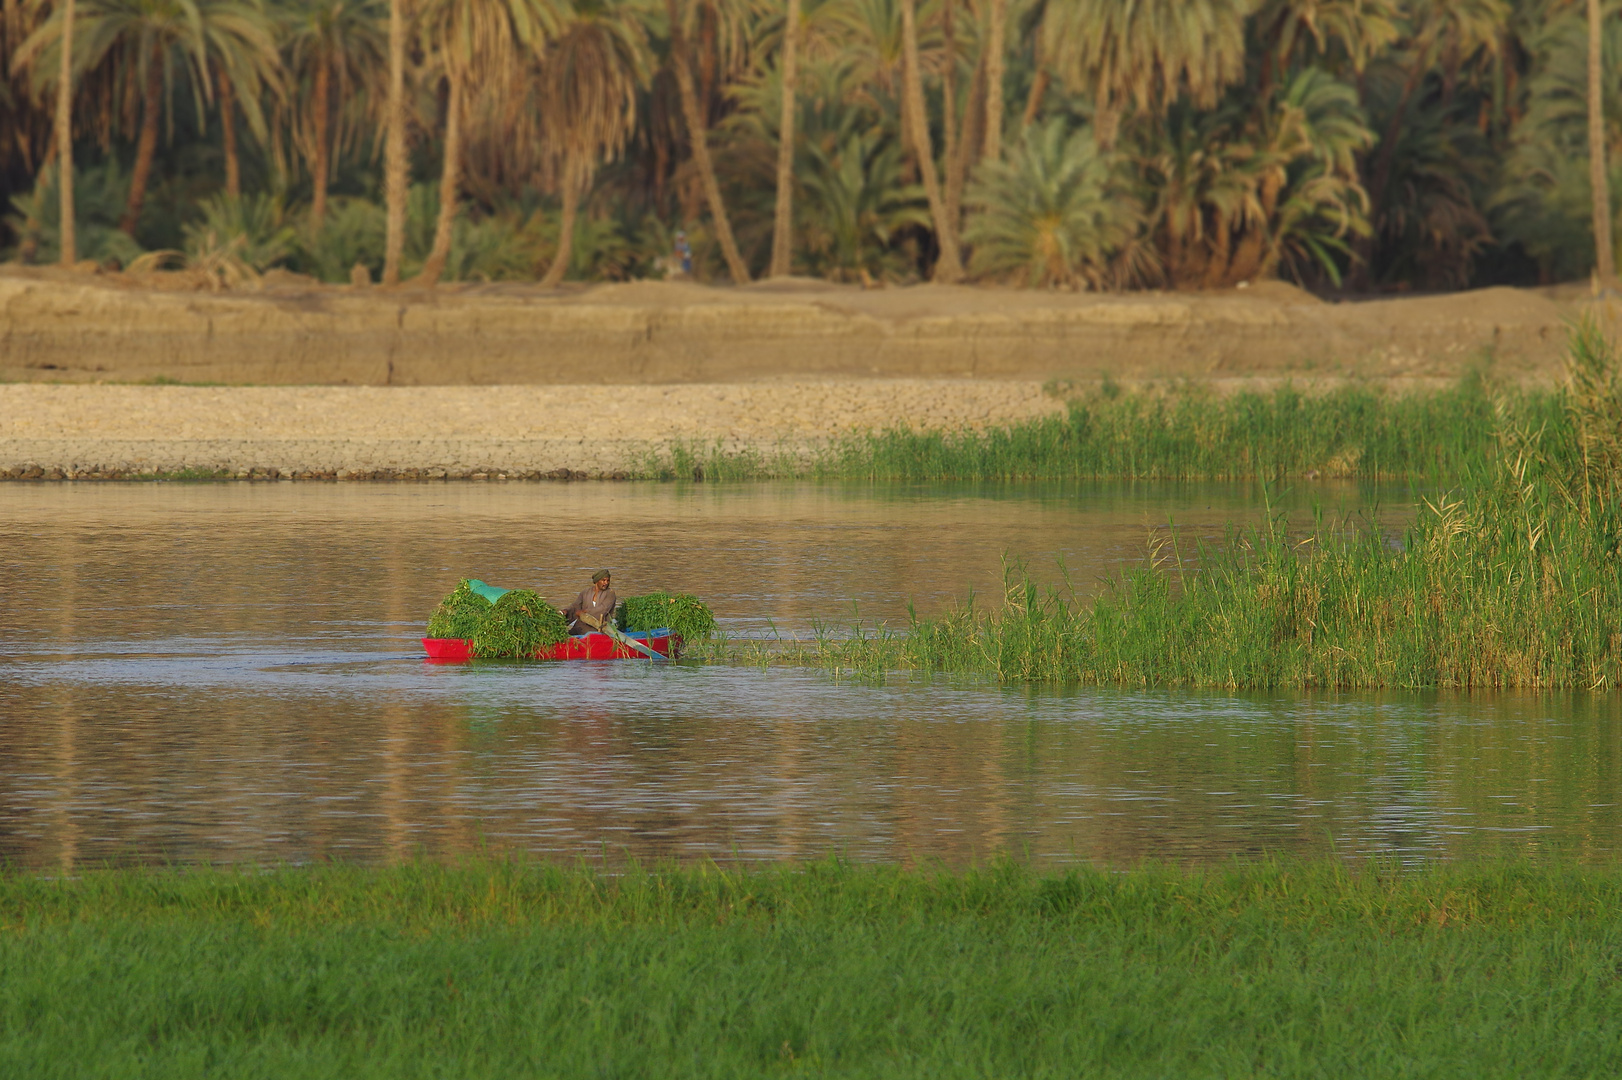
x,y
505,969
1512,579
1182,143
1176,433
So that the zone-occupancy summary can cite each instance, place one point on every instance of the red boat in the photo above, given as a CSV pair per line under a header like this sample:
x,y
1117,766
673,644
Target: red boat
x,y
585,647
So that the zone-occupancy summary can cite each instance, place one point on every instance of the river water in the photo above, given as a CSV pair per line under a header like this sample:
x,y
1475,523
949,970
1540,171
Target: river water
x,y
231,672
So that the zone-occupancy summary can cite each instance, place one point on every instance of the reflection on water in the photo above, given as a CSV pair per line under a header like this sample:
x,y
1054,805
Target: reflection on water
x,y
231,673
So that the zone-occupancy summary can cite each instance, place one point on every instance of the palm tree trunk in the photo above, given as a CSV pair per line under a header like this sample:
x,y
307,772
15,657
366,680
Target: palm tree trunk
x,y
783,220
321,108
996,65
952,151
395,165
698,140
1598,174
449,178
949,267
1039,85
146,146
69,243
572,185
228,129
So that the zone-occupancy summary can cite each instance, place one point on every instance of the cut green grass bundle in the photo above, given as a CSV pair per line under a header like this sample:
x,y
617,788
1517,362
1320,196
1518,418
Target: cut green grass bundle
x,y
507,969
518,624
459,615
684,615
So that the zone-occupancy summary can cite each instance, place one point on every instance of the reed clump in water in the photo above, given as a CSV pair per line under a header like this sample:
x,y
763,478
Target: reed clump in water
x,y
686,616
460,614
485,968
1513,580
519,623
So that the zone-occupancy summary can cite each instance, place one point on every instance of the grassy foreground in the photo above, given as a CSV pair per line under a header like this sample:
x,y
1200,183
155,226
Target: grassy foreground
x,y
506,969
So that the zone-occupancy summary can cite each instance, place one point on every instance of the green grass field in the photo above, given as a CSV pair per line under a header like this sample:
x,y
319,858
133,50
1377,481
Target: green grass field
x,y
507,969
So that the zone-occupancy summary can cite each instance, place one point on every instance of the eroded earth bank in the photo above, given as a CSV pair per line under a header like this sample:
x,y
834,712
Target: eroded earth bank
x,y
313,381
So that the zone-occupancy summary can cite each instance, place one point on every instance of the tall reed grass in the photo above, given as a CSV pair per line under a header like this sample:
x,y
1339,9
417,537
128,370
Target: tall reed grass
x,y
1512,579
512,969
1180,433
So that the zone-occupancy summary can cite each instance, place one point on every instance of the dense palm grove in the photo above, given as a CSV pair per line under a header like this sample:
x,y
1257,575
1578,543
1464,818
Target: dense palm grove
x,y
1369,144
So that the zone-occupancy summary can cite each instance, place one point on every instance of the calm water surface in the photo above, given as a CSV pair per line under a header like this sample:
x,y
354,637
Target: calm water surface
x,y
231,672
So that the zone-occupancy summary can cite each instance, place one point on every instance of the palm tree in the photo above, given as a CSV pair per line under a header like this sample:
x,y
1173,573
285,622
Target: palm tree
x,y
698,133
856,203
783,214
588,103
1545,200
340,47
1147,53
949,266
484,39
1452,29
68,241
1598,175
143,44
246,65
1053,213
395,165
996,60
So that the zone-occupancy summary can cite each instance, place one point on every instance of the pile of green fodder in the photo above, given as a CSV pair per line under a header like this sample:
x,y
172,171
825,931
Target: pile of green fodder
x,y
1512,580
460,614
685,616
519,623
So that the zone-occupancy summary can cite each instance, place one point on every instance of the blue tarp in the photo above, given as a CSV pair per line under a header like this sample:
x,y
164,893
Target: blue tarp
x,y
489,592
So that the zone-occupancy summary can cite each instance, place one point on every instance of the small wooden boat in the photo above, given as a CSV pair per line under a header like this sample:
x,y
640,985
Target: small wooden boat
x,y
583,647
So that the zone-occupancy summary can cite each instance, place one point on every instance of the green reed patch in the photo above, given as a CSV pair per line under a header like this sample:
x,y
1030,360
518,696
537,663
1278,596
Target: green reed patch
x,y
459,615
684,615
498,968
1181,432
518,624
1512,580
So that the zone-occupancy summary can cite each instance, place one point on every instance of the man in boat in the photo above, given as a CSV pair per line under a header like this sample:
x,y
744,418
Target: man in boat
x,y
598,602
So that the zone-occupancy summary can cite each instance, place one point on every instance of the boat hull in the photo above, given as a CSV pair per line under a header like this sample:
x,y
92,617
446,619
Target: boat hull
x,y
585,647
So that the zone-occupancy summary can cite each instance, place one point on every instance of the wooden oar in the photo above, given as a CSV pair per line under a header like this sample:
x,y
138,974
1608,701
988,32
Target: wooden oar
x,y
614,632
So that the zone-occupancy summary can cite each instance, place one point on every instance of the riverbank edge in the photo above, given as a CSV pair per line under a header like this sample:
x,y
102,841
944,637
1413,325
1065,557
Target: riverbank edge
x,y
56,326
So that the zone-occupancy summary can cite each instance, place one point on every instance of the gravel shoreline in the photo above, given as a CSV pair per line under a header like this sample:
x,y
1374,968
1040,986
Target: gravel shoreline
x,y
80,432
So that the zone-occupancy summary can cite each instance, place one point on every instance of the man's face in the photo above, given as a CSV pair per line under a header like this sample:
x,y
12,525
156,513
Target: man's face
x,y
602,584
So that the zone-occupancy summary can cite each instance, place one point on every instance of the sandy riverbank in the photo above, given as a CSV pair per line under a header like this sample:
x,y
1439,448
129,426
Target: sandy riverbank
x,y
58,326
357,432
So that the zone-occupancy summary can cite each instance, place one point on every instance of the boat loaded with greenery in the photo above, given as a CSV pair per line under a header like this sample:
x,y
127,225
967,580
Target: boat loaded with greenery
x,y
480,621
